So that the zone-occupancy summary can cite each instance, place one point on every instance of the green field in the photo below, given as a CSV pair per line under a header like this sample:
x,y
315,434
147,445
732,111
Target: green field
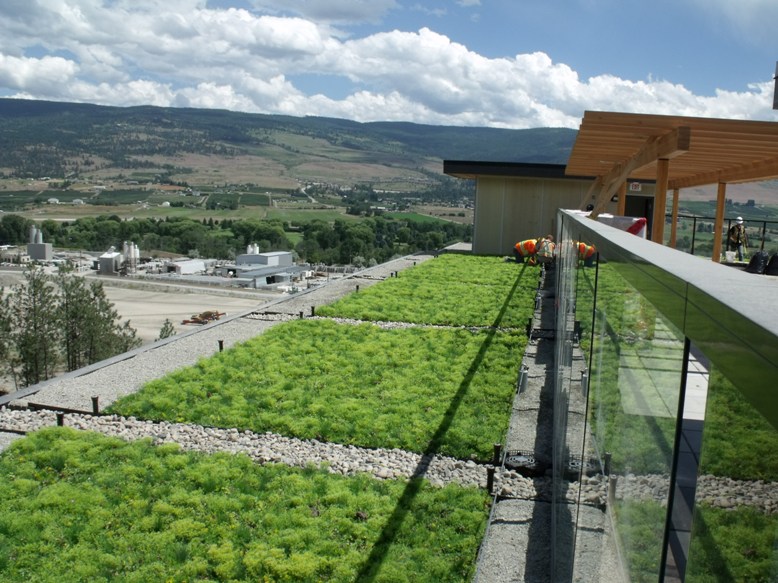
x,y
414,217
254,199
305,215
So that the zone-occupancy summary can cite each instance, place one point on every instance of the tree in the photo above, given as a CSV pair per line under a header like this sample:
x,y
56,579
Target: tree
x,y
106,335
5,326
167,330
90,326
33,336
44,319
14,230
73,313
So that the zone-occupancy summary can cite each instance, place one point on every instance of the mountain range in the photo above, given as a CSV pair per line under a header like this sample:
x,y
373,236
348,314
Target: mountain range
x,y
55,139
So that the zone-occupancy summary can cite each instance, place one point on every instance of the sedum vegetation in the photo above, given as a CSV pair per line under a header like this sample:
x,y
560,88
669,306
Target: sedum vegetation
x,y
458,290
77,506
85,507
424,390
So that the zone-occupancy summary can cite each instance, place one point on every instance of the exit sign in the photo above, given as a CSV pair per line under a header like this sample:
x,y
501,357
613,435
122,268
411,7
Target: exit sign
x,y
635,187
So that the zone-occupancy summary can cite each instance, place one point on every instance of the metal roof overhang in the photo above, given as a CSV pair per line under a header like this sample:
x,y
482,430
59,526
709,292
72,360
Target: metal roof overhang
x,y
616,147
472,169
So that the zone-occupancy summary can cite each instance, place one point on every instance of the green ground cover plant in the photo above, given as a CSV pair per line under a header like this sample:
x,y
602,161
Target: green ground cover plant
x,y
738,441
457,290
735,544
419,389
78,506
732,545
640,526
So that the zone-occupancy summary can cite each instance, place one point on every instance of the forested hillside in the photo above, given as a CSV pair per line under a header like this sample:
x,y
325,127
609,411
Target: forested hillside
x,y
39,138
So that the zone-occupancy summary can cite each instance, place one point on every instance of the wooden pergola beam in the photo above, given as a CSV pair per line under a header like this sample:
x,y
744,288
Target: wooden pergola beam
x,y
763,170
668,146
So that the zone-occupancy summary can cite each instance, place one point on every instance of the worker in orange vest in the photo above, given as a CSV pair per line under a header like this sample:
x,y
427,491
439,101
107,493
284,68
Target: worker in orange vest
x,y
525,249
586,253
545,249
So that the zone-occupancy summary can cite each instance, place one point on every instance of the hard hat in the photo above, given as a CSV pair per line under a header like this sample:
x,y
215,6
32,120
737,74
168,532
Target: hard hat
x,y
740,220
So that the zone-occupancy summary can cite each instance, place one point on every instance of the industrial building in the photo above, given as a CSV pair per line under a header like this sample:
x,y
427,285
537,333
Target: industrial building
x,y
36,248
263,270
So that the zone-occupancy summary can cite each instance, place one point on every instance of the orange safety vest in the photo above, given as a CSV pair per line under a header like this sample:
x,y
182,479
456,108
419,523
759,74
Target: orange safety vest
x,y
525,248
546,249
585,251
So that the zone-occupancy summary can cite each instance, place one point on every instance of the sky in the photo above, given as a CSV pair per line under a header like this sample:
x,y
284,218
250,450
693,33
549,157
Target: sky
x,y
497,63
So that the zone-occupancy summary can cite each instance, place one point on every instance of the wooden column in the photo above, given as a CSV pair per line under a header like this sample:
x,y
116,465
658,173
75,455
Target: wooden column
x,y
660,201
718,226
674,226
622,200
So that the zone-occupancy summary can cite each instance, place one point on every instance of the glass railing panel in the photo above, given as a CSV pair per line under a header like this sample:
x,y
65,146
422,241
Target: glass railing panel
x,y
569,411
735,521
634,387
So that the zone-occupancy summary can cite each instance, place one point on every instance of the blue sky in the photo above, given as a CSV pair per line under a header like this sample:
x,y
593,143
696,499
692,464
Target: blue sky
x,y
500,63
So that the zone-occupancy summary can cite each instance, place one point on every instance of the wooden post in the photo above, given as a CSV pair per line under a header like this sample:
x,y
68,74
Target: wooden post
x,y
497,452
718,225
674,225
489,479
622,208
660,201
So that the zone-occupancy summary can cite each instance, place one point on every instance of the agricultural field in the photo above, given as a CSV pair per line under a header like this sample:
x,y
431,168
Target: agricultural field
x,y
450,290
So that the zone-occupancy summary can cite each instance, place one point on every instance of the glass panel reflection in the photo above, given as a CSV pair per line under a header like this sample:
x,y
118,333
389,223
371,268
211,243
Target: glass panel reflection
x,y
635,381
735,524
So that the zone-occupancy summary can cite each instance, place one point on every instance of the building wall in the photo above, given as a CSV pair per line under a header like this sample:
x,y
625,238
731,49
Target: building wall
x,y
511,209
40,251
270,259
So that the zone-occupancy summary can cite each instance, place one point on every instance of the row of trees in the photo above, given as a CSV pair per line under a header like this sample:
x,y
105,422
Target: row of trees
x,y
175,235
50,323
377,238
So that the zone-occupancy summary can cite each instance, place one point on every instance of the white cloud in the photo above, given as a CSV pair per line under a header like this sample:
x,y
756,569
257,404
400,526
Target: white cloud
x,y
183,53
45,75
